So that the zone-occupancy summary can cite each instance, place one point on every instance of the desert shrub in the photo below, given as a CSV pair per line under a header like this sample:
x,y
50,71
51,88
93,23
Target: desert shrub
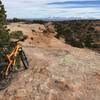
x,y
77,33
16,20
39,21
60,30
25,36
91,29
33,30
16,34
88,40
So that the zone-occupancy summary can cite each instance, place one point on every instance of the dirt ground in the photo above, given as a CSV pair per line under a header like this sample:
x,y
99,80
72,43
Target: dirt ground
x,y
57,71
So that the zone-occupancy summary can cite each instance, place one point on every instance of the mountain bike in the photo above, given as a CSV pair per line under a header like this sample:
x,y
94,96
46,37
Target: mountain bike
x,y
9,56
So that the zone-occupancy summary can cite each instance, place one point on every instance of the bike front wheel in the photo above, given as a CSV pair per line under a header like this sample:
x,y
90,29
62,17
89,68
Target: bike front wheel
x,y
24,59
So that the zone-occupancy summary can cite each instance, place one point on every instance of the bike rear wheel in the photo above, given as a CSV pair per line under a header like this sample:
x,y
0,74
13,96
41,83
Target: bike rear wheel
x,y
5,82
24,59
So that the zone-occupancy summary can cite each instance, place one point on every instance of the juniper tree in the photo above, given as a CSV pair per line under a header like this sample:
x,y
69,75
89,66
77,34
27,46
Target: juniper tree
x,y
4,34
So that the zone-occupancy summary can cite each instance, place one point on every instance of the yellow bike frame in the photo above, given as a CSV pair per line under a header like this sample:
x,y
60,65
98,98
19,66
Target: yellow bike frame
x,y
11,57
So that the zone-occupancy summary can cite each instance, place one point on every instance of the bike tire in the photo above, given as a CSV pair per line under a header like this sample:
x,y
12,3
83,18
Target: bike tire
x,y
4,83
3,72
24,59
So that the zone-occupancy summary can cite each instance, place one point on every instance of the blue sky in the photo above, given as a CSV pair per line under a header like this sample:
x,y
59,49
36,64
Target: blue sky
x,y
52,8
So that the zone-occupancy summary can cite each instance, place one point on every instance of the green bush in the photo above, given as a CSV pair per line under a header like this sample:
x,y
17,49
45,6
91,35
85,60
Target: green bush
x,y
4,33
16,20
39,21
16,34
77,33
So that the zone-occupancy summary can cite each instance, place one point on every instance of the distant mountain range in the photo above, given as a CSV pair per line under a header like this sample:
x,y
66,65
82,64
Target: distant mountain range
x,y
55,19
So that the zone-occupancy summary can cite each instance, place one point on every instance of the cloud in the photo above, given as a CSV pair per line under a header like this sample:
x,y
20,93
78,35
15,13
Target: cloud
x,y
56,8
75,4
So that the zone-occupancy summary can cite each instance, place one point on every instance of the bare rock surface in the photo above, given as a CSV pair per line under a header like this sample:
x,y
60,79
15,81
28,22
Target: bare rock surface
x,y
57,71
57,74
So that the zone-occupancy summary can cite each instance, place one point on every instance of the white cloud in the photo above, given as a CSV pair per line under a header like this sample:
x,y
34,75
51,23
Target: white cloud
x,y
38,8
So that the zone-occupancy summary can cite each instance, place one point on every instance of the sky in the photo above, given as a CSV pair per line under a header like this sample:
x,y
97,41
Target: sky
x,y
52,8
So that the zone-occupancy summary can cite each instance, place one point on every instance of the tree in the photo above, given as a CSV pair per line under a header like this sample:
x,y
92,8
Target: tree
x,y
4,34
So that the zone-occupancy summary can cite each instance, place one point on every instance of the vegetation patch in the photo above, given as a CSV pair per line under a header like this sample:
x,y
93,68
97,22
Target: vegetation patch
x,y
78,33
16,34
4,33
